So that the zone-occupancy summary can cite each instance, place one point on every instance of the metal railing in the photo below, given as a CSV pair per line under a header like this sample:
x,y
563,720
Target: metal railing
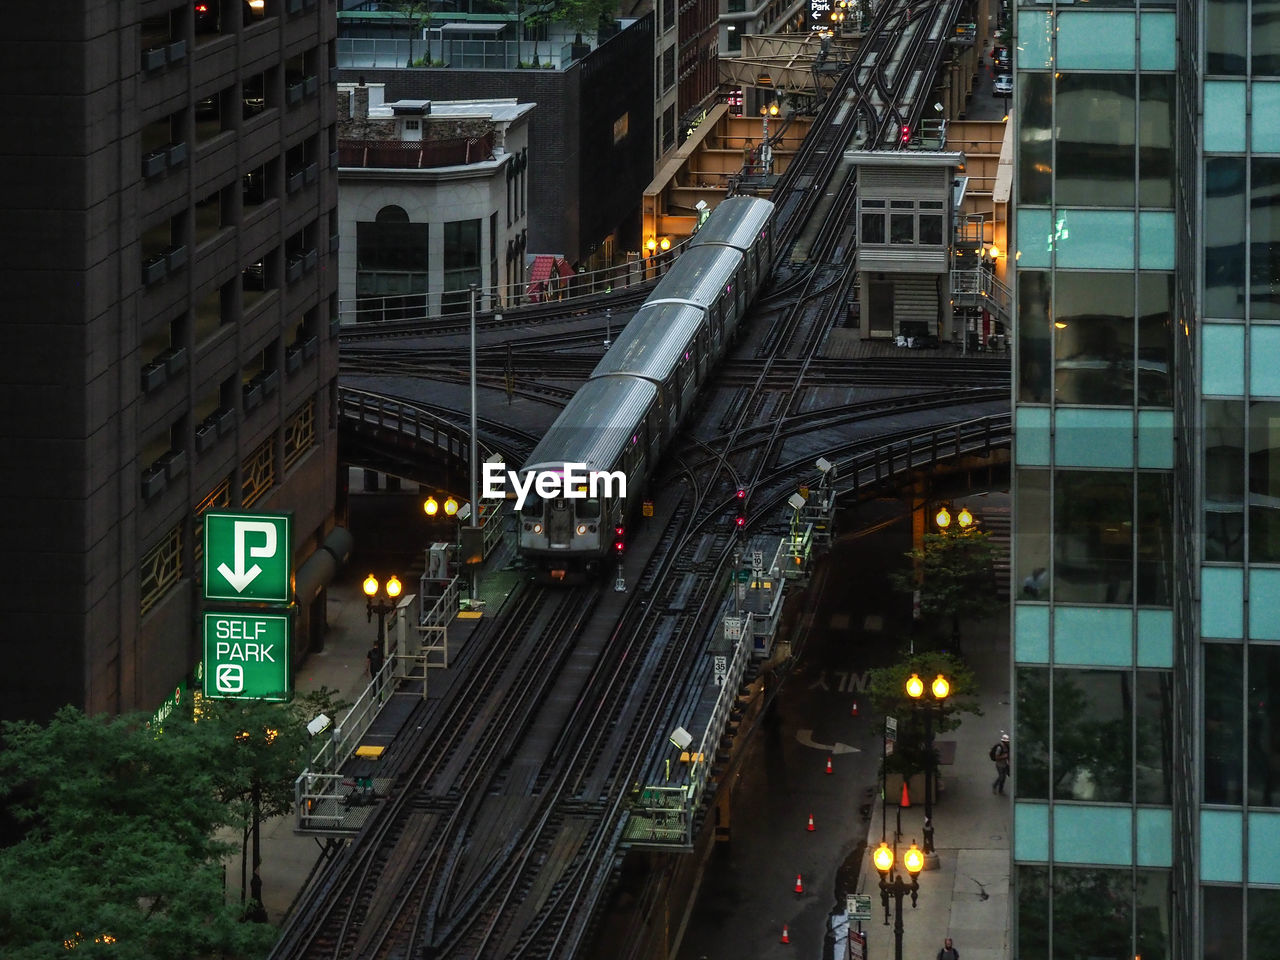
x,y
893,460
371,409
431,305
978,286
440,51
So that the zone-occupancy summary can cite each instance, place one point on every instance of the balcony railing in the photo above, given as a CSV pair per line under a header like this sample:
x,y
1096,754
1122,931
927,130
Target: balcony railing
x,y
415,154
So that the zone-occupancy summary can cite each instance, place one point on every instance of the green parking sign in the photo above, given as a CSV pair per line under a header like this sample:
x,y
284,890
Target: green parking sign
x,y
246,656
247,556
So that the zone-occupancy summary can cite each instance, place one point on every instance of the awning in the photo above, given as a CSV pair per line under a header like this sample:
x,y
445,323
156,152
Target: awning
x,y
319,569
548,275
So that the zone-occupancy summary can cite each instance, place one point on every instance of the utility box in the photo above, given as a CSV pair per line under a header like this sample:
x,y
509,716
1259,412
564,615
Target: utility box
x,y
438,561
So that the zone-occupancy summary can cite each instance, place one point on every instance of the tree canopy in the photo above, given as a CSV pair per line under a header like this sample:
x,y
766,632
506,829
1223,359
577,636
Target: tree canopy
x,y
953,573
887,690
118,857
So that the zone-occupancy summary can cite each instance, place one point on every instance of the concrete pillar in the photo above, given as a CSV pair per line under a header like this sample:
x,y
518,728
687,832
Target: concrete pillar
x,y
361,102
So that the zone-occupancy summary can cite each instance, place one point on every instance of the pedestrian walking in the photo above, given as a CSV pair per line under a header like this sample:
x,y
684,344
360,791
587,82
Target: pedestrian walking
x,y
1000,757
374,657
948,952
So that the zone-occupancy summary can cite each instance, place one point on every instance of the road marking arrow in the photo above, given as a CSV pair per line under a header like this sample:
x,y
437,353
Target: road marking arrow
x,y
805,738
239,578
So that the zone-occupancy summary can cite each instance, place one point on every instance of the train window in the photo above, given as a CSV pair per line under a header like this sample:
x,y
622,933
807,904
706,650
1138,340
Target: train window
x,y
588,509
532,505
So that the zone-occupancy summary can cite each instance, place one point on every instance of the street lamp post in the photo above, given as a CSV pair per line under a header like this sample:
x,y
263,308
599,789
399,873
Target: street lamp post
x,y
472,465
652,246
940,688
892,885
381,603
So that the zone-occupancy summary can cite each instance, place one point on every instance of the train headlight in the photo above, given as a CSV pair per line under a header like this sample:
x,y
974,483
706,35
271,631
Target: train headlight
x,y
582,529
537,528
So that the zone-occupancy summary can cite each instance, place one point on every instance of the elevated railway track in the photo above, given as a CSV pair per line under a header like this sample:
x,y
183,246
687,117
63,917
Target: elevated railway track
x,y
505,824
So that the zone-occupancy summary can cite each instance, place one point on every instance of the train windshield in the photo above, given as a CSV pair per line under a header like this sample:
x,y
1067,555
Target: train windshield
x,y
532,505
588,508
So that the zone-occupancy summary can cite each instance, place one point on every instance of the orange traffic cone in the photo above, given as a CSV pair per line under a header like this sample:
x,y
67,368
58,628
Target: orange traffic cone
x,y
811,823
799,884
906,797
828,764
785,938
853,711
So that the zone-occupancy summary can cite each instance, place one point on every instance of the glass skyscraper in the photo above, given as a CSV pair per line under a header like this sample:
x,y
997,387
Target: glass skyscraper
x,y
1147,480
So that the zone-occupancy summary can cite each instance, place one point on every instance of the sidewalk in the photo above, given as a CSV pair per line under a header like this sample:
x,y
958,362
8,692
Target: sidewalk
x,y
967,897
287,858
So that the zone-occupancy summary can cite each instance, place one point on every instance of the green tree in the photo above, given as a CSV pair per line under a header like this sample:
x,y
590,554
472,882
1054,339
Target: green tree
x,y
417,17
954,574
118,857
887,688
258,749
585,16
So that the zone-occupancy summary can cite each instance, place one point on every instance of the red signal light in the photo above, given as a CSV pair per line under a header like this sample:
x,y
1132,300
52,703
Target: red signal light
x,y
741,521
202,8
742,494
906,133
618,546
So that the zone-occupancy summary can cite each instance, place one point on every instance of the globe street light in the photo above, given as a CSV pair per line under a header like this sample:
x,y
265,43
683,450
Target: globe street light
x,y
896,887
940,688
381,605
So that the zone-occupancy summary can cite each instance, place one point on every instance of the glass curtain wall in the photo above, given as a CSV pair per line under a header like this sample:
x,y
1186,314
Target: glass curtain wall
x,y
1095,544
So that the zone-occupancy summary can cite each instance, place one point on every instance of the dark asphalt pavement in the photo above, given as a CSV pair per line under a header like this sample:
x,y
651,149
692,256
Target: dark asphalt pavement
x,y
748,890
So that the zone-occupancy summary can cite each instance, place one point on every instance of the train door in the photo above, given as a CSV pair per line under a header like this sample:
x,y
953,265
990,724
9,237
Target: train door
x,y
713,326
559,516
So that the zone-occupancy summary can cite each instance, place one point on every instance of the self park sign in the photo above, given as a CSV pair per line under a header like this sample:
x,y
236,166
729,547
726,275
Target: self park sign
x,y
247,657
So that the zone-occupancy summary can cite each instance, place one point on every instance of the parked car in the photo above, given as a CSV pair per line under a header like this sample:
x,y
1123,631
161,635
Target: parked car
x,y
1000,57
1003,86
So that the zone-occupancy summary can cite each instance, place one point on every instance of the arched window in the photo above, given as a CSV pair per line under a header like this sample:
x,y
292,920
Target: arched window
x,y
391,214
391,266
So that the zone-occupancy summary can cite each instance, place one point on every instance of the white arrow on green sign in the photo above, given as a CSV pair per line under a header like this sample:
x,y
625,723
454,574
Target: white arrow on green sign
x,y
247,556
246,656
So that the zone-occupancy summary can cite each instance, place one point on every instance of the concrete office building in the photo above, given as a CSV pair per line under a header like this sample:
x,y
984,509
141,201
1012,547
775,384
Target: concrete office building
x,y
1147,481
169,282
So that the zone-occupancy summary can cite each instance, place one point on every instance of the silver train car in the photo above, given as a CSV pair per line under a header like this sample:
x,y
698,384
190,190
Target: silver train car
x,y
625,416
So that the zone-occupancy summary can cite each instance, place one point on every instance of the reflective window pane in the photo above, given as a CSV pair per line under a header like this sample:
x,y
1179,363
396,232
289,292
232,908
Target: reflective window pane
x,y
1223,725
1155,140
1031,534
1264,481
1224,237
1031,735
1222,918
1092,749
1033,911
1093,536
1266,38
1151,913
1034,327
1095,139
1092,914
1155,339
1154,539
1264,923
1224,480
1264,726
1093,338
1264,239
872,228
1035,146
1225,36
1154,766
391,245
